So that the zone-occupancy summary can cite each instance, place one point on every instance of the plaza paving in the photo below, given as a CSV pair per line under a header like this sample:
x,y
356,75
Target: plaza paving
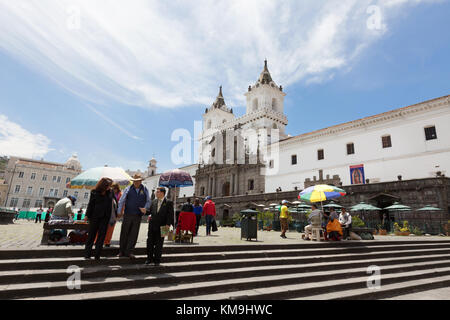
x,y
25,234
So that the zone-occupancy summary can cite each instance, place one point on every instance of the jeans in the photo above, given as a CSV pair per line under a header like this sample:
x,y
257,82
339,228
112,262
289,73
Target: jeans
x,y
198,218
208,219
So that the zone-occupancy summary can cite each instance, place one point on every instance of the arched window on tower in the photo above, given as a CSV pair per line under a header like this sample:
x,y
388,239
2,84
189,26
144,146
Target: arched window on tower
x,y
255,104
274,126
274,104
208,126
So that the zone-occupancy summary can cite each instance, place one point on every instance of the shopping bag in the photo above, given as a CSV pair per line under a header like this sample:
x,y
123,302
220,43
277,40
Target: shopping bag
x,y
164,231
214,226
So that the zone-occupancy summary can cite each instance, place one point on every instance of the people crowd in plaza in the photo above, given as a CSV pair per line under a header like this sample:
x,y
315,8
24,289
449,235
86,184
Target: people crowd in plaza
x,y
108,204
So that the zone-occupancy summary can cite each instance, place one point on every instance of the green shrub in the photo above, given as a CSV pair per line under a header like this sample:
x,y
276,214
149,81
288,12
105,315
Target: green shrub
x,y
357,222
236,217
266,217
415,230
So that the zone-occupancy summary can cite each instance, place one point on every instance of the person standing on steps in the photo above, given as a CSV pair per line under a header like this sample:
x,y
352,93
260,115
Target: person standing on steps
x,y
132,205
100,208
160,215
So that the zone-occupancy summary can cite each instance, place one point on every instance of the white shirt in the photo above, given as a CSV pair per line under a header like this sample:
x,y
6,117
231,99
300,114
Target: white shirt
x,y
345,219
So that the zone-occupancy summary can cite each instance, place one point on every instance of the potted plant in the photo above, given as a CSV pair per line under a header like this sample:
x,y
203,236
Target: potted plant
x,y
402,231
381,231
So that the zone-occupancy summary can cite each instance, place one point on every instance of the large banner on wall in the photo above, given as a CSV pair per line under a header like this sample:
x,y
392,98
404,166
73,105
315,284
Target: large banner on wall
x,y
357,174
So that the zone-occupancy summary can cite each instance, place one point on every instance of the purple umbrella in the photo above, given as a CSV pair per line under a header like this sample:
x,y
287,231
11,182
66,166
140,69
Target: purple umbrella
x,y
173,179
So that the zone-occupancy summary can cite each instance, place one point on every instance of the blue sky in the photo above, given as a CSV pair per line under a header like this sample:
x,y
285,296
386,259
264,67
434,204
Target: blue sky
x,y
111,83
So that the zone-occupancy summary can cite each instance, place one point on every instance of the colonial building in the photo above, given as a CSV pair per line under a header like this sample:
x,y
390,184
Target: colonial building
x,y
241,158
32,183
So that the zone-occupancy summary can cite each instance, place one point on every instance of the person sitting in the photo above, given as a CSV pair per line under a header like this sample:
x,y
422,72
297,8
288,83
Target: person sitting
x,y
325,219
345,219
186,222
334,229
314,219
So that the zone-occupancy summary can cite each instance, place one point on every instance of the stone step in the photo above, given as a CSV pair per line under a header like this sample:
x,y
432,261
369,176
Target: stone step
x,y
391,285
386,291
147,279
114,266
250,267
169,248
43,263
280,286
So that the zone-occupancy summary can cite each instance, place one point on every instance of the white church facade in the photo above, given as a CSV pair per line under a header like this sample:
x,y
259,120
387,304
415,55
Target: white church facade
x,y
253,153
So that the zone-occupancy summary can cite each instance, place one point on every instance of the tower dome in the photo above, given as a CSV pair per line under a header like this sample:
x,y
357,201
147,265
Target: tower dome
x,y
73,163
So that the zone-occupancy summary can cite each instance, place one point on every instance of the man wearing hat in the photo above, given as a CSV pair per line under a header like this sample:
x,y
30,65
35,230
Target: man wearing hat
x,y
132,205
284,218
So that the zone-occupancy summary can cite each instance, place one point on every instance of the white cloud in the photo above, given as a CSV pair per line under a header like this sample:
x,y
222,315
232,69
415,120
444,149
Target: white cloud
x,y
169,54
17,141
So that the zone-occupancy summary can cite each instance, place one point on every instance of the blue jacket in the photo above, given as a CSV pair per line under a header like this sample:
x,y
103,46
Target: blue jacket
x,y
134,200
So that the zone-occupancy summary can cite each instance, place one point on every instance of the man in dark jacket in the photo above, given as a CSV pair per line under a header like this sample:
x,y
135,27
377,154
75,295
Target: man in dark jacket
x,y
160,214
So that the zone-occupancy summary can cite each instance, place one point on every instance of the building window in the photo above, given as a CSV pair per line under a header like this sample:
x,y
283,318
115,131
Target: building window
x,y
202,191
271,164
386,141
33,176
13,202
213,152
21,174
294,159
76,194
208,126
86,195
65,193
54,178
320,154
56,192
17,190
274,104
41,192
38,203
59,180
30,190
50,194
26,203
44,177
67,180
251,184
350,148
430,133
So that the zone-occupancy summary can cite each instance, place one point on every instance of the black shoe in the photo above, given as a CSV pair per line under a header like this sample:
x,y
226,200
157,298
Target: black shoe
x,y
107,245
148,262
157,264
97,258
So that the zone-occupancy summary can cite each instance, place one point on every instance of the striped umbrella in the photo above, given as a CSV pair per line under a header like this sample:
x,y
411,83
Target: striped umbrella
x,y
174,179
321,192
89,178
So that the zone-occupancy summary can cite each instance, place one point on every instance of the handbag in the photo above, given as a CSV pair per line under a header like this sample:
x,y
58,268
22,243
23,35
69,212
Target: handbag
x,y
214,226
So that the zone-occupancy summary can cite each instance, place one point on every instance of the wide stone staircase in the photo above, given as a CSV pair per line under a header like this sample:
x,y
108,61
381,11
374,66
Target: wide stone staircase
x,y
263,272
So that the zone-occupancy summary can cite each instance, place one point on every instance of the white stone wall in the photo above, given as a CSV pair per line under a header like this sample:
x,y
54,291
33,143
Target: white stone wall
x,y
410,155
